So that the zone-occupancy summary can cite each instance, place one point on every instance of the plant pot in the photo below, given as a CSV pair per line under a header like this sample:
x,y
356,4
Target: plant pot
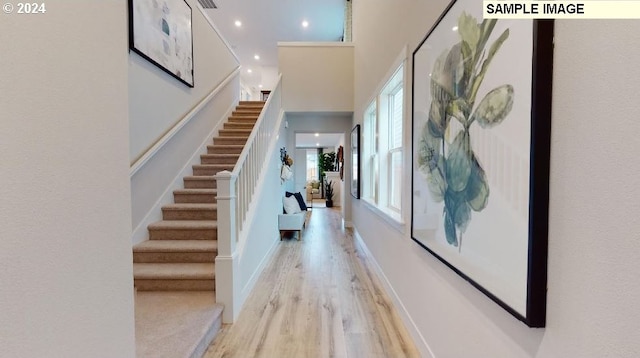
x,y
329,203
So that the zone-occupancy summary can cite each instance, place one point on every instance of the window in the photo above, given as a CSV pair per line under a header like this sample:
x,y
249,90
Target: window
x,y
370,154
395,148
382,147
312,164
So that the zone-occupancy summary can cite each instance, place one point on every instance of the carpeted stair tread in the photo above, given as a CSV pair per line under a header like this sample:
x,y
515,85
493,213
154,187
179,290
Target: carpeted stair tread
x,y
243,118
177,246
191,206
174,271
183,224
235,132
238,125
222,166
175,324
231,140
217,159
196,191
211,169
225,148
190,211
200,182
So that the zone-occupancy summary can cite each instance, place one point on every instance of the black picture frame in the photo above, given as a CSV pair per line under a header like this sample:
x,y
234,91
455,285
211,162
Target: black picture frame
x,y
428,158
161,32
355,162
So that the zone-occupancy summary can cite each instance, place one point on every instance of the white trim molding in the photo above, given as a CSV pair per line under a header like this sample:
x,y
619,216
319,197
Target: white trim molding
x,y
144,158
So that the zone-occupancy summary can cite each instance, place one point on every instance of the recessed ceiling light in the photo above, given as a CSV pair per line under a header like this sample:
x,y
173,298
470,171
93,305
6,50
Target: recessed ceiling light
x,y
238,23
317,134
317,144
257,57
259,86
249,71
305,23
455,28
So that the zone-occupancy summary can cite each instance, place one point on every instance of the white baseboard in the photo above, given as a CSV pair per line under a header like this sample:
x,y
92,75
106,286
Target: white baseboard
x,y
251,283
421,343
140,233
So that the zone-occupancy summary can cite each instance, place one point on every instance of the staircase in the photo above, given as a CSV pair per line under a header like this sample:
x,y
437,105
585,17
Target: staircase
x,y
181,251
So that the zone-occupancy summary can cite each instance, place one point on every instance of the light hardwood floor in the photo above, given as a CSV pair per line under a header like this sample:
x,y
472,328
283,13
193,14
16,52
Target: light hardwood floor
x,y
318,297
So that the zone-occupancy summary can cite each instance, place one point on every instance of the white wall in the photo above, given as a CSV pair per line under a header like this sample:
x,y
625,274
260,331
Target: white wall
x,y
323,123
263,234
157,101
66,285
316,77
593,285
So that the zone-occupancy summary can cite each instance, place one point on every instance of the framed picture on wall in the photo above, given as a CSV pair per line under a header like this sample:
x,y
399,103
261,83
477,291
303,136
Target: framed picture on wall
x,y
160,31
355,162
480,153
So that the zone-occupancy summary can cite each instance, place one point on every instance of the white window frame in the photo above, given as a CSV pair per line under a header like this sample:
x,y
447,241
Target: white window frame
x,y
378,173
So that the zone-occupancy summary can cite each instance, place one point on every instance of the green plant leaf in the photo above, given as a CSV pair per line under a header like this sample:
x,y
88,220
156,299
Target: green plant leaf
x,y
441,82
468,29
438,119
448,77
467,56
450,230
458,163
463,216
486,28
436,183
494,107
459,109
456,66
428,147
431,164
477,193
477,81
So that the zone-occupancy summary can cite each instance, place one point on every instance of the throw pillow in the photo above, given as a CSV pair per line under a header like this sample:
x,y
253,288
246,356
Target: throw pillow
x,y
291,205
298,196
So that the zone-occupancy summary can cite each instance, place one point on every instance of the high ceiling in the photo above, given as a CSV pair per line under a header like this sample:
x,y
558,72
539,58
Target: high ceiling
x,y
323,140
267,22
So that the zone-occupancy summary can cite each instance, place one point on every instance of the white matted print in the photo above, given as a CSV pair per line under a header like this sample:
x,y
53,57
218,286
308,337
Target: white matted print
x,y
473,119
160,31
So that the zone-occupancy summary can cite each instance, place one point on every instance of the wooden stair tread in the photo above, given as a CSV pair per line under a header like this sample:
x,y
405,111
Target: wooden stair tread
x,y
174,271
177,246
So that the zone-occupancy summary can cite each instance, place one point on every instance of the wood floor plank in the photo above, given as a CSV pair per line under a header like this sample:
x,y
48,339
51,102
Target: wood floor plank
x,y
318,297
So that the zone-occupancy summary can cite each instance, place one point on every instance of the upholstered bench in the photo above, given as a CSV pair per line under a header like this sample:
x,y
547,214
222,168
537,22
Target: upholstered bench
x,y
292,222
294,216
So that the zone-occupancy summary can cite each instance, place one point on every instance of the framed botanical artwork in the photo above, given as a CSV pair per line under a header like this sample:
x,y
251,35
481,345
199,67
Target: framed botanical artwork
x,y
480,153
160,31
355,162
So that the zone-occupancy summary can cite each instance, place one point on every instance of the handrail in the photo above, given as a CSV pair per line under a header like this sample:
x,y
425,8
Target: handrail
x,y
254,132
144,158
236,201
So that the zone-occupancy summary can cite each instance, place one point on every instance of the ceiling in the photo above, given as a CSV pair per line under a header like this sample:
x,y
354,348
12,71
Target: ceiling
x,y
267,22
323,140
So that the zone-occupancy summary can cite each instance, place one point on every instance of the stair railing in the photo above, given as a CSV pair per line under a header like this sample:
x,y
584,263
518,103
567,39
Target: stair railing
x,y
234,198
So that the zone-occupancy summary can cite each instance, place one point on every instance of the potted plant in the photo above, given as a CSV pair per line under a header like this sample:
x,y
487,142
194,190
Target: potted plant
x,y
328,193
326,162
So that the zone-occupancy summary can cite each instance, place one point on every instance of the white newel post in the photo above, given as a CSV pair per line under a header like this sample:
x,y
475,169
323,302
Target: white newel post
x,y
227,275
